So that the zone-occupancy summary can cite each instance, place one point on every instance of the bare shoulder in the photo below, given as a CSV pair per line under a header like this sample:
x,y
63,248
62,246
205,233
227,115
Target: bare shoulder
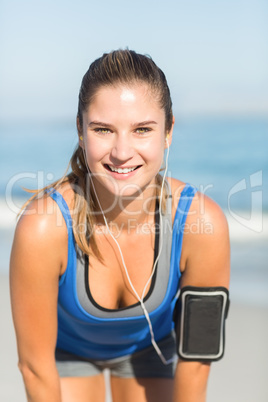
x,y
203,210
205,259
207,215
42,217
41,236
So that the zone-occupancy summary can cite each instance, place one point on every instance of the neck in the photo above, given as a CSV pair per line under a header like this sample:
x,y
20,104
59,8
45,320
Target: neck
x,y
126,212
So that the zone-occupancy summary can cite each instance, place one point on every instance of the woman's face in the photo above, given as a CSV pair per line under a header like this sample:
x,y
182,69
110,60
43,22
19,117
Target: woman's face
x,y
124,138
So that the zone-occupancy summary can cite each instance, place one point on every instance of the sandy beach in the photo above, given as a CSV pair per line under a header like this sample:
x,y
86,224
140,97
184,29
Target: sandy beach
x,y
240,377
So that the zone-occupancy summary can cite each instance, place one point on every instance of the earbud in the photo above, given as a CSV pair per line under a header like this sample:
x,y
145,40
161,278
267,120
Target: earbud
x,y
167,137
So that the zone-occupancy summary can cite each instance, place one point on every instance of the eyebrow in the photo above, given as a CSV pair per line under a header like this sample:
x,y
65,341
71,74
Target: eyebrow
x,y
145,123
102,124
98,123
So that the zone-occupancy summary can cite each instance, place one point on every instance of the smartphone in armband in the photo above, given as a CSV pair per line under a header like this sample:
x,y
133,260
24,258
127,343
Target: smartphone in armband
x,y
200,315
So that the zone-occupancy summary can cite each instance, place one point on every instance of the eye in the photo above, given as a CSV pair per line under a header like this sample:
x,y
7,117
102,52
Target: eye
x,y
102,130
142,130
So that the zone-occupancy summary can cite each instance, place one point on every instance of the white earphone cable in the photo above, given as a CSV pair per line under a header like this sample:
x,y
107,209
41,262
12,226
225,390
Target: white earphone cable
x,y
140,299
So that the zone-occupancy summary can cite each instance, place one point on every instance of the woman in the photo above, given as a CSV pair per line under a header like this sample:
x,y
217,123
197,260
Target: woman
x,y
96,265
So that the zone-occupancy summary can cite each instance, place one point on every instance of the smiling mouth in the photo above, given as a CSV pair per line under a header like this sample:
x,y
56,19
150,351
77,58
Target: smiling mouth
x,y
121,170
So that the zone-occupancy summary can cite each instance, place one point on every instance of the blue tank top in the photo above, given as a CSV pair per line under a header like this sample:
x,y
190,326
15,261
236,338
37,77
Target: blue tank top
x,y
102,337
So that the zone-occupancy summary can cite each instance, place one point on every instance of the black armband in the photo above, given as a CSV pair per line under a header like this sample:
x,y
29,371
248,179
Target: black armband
x,y
199,317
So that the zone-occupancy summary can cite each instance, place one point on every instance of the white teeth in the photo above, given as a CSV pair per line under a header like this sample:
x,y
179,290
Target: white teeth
x,y
120,170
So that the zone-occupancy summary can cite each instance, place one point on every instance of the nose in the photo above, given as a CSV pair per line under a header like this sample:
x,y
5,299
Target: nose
x,y
122,149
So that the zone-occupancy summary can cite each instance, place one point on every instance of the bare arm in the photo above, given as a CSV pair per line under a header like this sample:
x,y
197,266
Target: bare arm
x,y
36,262
205,262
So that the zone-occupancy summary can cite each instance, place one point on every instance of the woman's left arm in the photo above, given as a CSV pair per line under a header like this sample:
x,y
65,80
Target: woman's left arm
x,y
205,262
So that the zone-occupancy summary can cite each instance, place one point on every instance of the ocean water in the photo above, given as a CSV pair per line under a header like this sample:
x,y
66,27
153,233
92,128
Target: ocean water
x,y
226,158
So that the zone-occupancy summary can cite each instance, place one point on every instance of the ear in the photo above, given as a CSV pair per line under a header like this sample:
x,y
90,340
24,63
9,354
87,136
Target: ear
x,y
80,133
169,134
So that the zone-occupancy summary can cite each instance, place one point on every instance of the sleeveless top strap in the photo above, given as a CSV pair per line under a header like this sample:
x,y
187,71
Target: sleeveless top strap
x,y
184,204
60,201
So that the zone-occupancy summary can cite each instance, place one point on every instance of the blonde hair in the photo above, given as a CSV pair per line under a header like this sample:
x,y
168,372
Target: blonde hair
x,y
116,67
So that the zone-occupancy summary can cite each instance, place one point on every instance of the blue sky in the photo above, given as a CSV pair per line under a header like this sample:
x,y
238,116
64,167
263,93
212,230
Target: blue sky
x,y
214,53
